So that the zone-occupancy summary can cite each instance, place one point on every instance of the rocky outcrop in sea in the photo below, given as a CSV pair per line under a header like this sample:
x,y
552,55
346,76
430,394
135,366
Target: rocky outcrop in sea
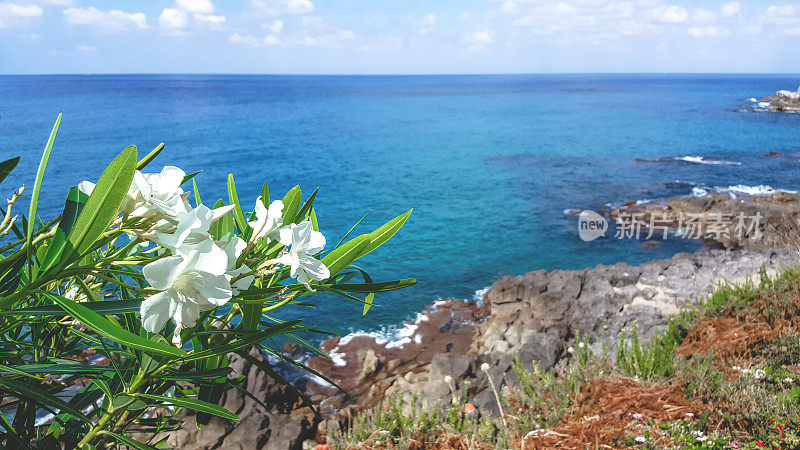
x,y
787,101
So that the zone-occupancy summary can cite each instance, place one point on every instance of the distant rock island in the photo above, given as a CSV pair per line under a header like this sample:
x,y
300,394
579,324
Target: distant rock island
x,y
787,101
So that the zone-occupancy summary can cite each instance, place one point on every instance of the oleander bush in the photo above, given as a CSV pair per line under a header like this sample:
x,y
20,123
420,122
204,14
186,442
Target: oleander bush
x,y
141,275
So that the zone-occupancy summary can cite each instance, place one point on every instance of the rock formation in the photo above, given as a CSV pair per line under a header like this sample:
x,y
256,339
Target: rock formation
x,y
787,101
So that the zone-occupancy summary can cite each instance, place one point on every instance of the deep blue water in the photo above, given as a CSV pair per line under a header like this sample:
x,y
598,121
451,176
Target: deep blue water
x,y
489,163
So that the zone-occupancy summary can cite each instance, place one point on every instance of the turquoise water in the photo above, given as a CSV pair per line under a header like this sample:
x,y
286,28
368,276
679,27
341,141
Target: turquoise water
x,y
489,163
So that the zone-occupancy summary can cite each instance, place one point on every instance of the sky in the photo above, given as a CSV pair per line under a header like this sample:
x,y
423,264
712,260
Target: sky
x,y
399,36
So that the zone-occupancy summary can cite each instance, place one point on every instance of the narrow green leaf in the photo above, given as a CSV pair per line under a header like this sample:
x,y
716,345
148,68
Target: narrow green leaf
x,y
110,330
60,368
301,214
238,214
265,195
103,205
244,343
382,234
7,166
150,156
291,203
190,177
72,208
194,404
104,307
383,286
37,186
352,228
197,200
340,257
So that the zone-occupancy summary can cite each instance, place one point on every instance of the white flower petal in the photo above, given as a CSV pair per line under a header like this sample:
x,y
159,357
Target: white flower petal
x,y
156,310
169,180
86,187
216,289
220,212
186,313
314,268
316,243
162,273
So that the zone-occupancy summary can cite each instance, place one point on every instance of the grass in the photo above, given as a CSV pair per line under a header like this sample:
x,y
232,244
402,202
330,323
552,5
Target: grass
x,y
723,374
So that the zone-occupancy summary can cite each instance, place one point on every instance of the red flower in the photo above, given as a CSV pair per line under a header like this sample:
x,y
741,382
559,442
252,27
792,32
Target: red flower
x,y
760,443
780,427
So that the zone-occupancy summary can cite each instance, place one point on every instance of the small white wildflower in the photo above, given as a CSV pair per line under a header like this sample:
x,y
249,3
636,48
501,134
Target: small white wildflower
x,y
641,439
570,350
702,438
581,345
689,415
454,400
485,367
788,380
697,433
448,379
759,374
737,368
637,416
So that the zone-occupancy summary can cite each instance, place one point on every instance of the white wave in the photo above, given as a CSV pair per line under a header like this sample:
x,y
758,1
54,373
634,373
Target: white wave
x,y
753,99
702,160
699,192
477,297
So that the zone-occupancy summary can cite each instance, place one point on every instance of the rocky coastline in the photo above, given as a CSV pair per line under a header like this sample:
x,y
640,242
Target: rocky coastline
x,y
535,316
786,101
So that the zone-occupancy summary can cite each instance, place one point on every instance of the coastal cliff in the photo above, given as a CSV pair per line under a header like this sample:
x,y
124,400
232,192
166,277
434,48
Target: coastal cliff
x,y
535,316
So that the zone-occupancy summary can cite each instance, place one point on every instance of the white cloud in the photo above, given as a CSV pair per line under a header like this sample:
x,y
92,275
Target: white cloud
x,y
195,6
277,7
113,19
429,20
701,15
212,19
86,48
172,18
312,21
383,44
670,14
237,38
478,40
271,39
703,32
275,27
15,10
731,9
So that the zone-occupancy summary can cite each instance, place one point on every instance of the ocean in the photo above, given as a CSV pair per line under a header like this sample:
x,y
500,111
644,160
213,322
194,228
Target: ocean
x,y
489,163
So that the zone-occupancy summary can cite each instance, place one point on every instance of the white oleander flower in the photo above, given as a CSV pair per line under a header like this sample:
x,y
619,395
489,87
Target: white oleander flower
x,y
485,367
304,243
192,229
267,223
189,283
233,247
154,194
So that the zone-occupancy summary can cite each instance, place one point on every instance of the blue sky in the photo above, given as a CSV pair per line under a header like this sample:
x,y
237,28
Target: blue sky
x,y
394,36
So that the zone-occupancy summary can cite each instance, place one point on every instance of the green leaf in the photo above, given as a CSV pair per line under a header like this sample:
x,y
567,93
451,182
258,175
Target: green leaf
x,y
60,368
382,234
197,200
340,257
72,208
104,307
190,177
194,404
205,375
238,214
7,166
291,203
301,214
265,195
110,330
103,205
41,397
133,443
150,156
384,286
37,186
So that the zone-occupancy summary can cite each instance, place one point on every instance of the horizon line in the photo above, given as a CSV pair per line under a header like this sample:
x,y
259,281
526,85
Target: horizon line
x,y
376,74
